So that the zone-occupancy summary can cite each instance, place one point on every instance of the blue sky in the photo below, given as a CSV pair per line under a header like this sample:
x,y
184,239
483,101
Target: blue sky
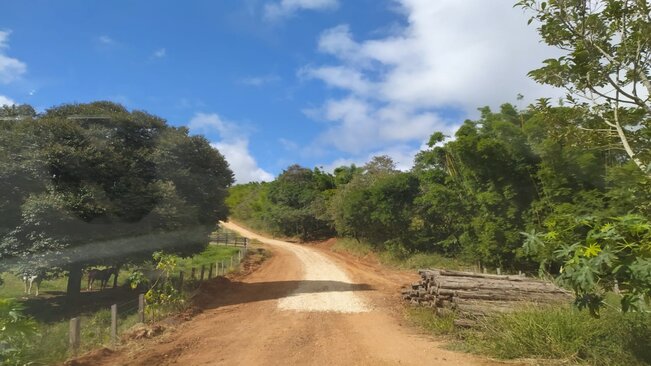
x,y
276,82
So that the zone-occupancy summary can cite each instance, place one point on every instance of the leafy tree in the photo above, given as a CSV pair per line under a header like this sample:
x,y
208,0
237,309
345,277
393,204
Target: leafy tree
x,y
296,200
606,67
615,254
108,186
377,205
344,174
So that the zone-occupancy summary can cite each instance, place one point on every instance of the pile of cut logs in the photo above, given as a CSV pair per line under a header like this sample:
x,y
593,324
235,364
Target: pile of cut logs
x,y
472,295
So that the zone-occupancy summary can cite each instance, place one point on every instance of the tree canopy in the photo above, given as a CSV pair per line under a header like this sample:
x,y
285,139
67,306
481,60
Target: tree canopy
x,y
88,184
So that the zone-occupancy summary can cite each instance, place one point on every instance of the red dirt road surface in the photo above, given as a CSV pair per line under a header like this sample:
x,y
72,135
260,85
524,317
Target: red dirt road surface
x,y
304,306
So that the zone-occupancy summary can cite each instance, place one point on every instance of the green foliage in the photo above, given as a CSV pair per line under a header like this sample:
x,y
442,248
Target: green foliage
x,y
376,206
605,66
512,190
96,184
296,199
614,253
15,331
162,297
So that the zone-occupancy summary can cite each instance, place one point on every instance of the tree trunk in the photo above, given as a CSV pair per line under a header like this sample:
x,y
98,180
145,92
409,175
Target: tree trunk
x,y
74,281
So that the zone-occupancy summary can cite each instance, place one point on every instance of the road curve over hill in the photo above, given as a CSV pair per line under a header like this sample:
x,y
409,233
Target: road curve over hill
x,y
304,306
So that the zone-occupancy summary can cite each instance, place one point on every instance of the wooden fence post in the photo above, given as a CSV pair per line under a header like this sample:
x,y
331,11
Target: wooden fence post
x,y
114,323
231,267
210,271
223,267
499,271
239,256
74,335
141,306
203,271
484,270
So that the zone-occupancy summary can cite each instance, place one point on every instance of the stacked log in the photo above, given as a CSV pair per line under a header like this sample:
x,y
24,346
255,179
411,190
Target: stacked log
x,y
474,294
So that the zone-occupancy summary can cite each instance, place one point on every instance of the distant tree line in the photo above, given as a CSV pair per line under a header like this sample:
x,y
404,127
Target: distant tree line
x,y
524,190
96,184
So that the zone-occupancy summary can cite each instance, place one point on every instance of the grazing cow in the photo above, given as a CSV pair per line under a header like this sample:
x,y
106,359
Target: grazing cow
x,y
101,275
31,278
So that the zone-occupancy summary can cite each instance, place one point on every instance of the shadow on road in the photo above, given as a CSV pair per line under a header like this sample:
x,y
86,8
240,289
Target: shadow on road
x,y
221,291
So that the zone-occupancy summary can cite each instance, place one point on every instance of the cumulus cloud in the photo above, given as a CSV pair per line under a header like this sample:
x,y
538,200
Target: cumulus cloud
x,y
6,101
233,144
275,11
10,68
402,156
450,55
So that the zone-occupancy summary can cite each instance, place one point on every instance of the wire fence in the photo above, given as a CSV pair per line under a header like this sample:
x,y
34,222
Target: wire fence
x,y
104,326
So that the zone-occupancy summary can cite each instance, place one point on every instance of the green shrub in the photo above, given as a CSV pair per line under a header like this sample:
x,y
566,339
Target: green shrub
x,y
15,332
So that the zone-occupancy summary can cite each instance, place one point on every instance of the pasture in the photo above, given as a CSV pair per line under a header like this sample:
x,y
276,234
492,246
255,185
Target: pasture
x,y
51,305
52,310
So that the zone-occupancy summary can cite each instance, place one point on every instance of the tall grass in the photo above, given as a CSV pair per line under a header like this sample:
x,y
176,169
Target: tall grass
x,y
554,333
50,344
566,333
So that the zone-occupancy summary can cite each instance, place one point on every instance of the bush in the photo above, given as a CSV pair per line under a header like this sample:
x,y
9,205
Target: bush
x,y
15,331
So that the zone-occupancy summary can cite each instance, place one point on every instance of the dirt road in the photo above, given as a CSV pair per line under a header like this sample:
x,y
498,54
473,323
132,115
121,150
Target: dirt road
x,y
304,306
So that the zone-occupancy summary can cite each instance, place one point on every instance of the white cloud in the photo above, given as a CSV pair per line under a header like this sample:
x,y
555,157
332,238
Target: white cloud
x,y
340,77
160,53
402,155
243,164
451,54
6,101
10,68
233,144
286,8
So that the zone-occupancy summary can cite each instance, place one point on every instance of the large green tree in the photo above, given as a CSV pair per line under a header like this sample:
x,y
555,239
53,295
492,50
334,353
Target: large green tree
x,y
605,66
297,200
103,185
606,69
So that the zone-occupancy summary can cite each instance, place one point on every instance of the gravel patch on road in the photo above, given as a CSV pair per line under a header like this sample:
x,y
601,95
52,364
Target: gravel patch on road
x,y
325,287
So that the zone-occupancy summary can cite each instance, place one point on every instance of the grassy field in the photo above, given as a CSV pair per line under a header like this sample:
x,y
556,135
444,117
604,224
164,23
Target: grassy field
x,y
212,254
14,287
52,314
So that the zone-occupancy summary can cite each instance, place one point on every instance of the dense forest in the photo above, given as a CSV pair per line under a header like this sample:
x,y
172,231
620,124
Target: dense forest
x,y
514,189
